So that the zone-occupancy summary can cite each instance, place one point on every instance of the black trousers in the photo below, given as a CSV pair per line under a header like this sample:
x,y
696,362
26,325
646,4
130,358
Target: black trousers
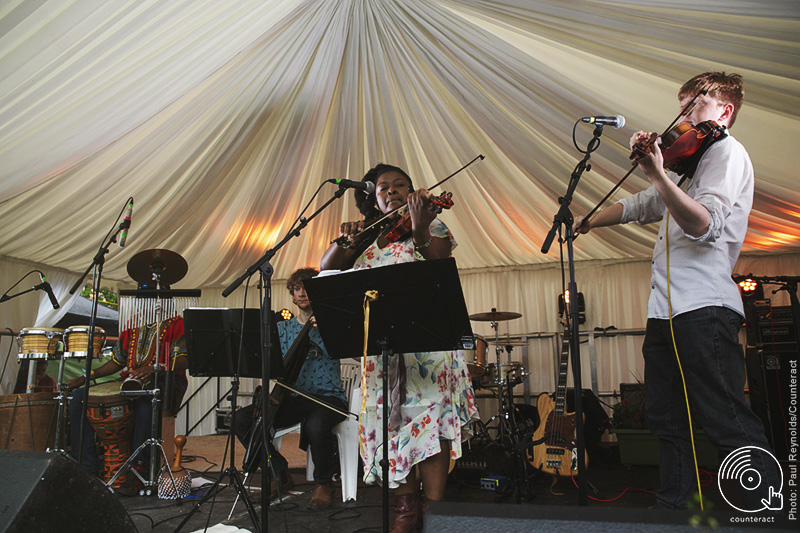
x,y
317,423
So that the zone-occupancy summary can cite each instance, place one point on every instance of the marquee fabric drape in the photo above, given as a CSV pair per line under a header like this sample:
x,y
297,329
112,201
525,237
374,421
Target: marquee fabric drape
x,y
221,120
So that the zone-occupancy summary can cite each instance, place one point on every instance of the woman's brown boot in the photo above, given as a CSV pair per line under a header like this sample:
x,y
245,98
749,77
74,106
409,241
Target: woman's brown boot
x,y
407,514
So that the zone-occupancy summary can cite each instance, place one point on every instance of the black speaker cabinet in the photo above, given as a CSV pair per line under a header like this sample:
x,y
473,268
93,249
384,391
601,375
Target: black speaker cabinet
x,y
768,376
44,492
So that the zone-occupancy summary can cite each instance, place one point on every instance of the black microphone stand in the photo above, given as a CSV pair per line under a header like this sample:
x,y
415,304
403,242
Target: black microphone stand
x,y
97,264
265,268
564,218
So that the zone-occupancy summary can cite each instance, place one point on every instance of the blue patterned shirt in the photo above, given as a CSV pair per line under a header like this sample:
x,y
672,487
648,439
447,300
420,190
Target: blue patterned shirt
x,y
319,374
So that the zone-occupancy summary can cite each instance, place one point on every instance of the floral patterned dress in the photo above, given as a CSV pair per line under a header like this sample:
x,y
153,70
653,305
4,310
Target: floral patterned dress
x,y
440,400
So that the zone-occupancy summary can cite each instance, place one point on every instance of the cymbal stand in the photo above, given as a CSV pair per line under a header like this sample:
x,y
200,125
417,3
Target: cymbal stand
x,y
153,442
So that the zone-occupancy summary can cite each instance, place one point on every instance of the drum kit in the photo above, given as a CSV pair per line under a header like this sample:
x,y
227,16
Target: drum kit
x,y
501,451
501,376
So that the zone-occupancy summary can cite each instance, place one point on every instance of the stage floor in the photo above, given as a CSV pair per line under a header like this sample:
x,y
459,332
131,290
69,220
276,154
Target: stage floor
x,y
628,489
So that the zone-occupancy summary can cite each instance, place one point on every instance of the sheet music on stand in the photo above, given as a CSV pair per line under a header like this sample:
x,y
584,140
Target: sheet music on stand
x,y
421,309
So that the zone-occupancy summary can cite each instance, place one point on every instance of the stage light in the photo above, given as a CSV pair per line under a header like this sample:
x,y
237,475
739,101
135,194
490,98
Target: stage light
x,y
748,285
750,288
563,306
285,314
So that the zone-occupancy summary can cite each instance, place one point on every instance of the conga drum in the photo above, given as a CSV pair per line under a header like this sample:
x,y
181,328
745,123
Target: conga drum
x,y
28,421
77,340
39,343
112,418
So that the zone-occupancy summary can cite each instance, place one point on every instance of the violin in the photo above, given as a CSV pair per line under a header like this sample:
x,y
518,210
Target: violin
x,y
680,143
401,229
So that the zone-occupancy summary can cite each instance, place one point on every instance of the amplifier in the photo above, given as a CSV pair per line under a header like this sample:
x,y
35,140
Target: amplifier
x,y
776,333
769,377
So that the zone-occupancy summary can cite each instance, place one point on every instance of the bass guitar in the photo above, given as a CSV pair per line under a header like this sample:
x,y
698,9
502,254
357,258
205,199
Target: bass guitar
x,y
555,448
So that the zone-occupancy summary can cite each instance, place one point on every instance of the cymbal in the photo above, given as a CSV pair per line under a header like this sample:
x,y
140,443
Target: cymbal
x,y
494,316
169,265
506,342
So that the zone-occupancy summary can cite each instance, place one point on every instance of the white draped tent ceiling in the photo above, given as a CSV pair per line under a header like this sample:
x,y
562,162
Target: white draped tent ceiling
x,y
221,119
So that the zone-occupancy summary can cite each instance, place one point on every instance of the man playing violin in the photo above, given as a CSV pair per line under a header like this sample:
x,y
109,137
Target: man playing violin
x,y
431,400
319,377
703,226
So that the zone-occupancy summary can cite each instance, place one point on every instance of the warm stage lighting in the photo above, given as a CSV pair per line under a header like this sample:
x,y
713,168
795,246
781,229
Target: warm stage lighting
x,y
285,314
748,285
563,306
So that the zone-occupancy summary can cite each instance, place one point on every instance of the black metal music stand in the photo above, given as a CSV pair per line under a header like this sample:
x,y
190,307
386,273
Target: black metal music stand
x,y
420,308
227,343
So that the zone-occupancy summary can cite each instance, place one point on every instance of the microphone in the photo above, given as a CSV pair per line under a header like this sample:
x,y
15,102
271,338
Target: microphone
x,y
366,186
126,223
617,121
45,286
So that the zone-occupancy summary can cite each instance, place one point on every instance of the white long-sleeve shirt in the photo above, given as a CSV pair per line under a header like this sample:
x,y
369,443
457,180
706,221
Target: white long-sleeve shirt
x,y
700,267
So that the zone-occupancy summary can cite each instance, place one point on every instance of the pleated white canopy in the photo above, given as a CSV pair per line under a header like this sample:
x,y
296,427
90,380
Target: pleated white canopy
x,y
221,119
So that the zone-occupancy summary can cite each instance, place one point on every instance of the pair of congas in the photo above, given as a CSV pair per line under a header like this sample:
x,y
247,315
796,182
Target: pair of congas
x,y
51,343
31,418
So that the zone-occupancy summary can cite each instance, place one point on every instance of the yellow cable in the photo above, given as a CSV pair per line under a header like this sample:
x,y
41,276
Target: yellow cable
x,y
680,368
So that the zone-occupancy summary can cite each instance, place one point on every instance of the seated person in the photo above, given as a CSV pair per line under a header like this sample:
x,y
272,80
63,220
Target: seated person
x,y
319,377
135,350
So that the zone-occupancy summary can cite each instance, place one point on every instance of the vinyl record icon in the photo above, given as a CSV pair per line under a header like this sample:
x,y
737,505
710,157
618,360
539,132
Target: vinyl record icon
x,y
745,468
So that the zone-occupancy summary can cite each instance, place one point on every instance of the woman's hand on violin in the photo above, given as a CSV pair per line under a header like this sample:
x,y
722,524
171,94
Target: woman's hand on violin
x,y
350,229
421,215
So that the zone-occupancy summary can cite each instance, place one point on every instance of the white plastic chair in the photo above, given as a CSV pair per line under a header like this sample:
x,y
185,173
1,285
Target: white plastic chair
x,y
346,433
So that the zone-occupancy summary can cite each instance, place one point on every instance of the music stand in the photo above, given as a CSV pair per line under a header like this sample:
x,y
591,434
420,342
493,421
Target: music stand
x,y
420,308
212,337
213,341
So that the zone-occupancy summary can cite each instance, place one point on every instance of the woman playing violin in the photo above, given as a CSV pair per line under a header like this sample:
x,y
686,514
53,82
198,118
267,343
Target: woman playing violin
x,y
431,393
430,238
703,226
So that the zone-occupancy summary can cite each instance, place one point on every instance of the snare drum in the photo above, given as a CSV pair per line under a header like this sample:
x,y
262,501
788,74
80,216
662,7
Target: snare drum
x,y
476,359
39,343
112,417
77,339
28,421
511,373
